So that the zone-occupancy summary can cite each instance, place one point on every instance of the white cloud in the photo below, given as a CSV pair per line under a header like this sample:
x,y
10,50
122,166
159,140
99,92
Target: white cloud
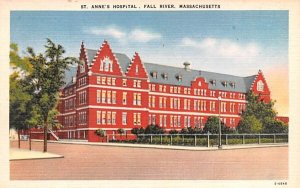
x,y
110,31
136,35
143,36
222,48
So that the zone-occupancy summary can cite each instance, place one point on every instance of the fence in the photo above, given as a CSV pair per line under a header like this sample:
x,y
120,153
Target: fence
x,y
210,139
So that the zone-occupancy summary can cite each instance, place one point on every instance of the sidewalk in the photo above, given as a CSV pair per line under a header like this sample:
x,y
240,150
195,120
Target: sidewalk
x,y
22,154
174,147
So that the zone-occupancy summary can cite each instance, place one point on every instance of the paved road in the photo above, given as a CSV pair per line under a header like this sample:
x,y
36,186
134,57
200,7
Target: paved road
x,y
87,162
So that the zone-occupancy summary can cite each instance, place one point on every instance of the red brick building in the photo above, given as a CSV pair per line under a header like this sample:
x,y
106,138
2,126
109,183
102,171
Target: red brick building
x,y
111,91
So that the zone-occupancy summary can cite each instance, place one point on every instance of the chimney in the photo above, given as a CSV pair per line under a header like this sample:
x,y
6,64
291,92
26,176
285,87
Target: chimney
x,y
73,79
186,65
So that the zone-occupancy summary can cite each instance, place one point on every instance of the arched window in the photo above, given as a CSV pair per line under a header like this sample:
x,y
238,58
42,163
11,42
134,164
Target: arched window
x,y
260,85
82,67
106,65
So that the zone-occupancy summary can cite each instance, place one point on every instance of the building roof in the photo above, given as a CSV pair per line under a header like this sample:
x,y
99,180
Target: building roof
x,y
215,80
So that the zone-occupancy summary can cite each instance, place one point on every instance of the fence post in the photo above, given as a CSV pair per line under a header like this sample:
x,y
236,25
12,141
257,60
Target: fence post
x,y
183,140
195,140
171,140
226,139
243,139
160,139
258,138
107,138
274,138
151,138
208,140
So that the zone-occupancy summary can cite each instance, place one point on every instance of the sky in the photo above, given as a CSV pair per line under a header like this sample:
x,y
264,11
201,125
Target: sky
x,y
231,42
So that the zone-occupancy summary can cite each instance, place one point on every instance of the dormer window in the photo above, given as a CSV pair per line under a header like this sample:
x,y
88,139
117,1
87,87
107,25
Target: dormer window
x,y
260,86
213,82
179,78
154,74
165,76
224,83
199,84
233,84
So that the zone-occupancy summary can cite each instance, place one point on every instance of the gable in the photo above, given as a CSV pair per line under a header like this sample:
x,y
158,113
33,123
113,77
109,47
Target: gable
x,y
136,68
105,62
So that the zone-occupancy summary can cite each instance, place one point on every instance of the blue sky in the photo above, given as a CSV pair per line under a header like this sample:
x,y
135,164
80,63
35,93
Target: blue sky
x,y
230,42
210,40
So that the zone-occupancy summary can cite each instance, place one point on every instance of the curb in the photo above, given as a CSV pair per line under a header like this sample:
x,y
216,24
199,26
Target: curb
x,y
173,147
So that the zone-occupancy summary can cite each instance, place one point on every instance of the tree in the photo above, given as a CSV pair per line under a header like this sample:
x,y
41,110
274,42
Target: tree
x,y
121,132
184,131
250,124
46,78
137,131
20,101
212,125
275,126
100,133
260,115
154,129
19,105
173,131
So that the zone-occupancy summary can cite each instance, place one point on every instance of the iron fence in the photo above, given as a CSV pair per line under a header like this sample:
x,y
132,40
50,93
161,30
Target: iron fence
x,y
209,140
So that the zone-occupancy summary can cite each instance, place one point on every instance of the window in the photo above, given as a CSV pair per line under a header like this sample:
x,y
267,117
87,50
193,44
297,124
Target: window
x,y
153,101
98,80
136,69
260,86
124,82
98,96
114,100
103,96
108,97
106,65
154,74
213,82
98,117
113,81
124,118
108,80
82,67
223,106
124,98
103,117
103,80
108,117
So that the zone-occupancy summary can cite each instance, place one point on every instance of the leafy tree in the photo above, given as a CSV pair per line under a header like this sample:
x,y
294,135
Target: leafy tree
x,y
154,129
19,105
261,115
173,132
137,131
250,124
260,109
20,101
184,131
197,130
121,132
212,125
100,133
46,78
275,126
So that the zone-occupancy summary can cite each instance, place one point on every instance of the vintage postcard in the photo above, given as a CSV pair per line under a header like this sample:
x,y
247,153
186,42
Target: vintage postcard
x,y
140,94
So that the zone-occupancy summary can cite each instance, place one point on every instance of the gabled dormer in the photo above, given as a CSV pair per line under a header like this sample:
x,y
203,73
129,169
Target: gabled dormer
x,y
199,82
136,68
260,87
105,62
